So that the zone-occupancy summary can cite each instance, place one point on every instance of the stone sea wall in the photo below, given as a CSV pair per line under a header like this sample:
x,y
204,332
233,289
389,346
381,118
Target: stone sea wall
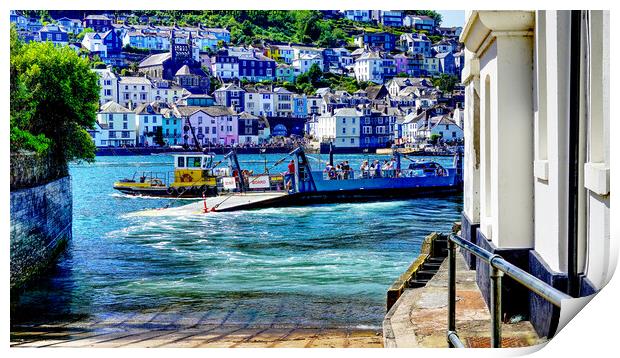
x,y
41,215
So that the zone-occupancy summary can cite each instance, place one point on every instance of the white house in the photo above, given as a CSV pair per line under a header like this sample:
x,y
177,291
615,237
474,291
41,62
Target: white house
x,y
134,91
342,128
534,192
108,83
93,42
120,124
415,43
303,63
369,67
298,51
260,102
99,133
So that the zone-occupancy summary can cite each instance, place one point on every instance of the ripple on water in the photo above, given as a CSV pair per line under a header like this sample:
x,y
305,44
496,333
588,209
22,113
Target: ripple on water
x,y
316,266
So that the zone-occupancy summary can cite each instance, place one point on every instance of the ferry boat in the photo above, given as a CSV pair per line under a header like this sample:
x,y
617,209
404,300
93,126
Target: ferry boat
x,y
302,185
398,181
194,175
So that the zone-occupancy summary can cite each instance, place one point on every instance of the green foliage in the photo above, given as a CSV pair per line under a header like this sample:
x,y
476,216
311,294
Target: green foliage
x,y
435,38
53,100
434,138
158,137
131,49
315,78
81,35
445,82
22,139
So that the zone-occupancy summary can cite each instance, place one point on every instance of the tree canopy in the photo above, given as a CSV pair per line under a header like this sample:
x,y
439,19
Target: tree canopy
x,y
54,99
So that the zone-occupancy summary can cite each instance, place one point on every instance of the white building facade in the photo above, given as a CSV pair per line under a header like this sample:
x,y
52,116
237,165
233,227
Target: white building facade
x,y
533,191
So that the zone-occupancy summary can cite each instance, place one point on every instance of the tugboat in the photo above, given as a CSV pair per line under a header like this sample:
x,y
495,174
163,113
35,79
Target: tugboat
x,y
194,176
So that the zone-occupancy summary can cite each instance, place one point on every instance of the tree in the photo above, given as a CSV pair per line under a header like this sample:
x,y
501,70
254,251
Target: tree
x,y
445,82
158,137
86,30
54,97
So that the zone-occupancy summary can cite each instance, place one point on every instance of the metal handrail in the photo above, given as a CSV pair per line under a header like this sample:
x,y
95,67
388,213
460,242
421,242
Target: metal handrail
x,y
498,266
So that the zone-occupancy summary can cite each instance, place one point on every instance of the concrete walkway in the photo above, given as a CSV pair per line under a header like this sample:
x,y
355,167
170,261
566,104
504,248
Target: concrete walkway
x,y
419,318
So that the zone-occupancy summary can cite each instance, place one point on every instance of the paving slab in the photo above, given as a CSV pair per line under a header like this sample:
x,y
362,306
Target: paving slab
x,y
419,318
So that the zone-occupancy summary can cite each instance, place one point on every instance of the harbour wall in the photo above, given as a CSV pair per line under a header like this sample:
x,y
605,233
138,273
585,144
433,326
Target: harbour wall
x,y
41,215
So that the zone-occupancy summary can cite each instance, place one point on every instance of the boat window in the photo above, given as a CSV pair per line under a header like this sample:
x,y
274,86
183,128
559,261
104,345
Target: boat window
x,y
193,162
207,161
181,162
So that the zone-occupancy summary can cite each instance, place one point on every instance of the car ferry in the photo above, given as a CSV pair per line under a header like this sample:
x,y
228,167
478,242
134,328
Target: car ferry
x,y
302,186
194,175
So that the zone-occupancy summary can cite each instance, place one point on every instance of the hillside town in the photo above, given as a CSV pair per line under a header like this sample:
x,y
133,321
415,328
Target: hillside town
x,y
190,86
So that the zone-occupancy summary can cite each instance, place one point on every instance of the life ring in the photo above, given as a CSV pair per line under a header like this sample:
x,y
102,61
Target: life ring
x,y
186,178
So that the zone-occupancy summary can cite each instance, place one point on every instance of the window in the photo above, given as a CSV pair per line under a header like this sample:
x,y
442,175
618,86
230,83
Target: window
x,y
110,117
146,119
352,140
344,121
167,122
124,125
199,119
353,130
213,130
453,134
124,117
353,121
125,134
447,126
344,130
111,125
146,129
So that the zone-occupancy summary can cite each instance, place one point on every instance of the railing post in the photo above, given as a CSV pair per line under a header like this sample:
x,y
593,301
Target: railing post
x,y
451,288
495,283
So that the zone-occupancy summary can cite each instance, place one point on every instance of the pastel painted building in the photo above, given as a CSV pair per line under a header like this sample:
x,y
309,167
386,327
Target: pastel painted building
x,y
401,61
285,73
172,126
